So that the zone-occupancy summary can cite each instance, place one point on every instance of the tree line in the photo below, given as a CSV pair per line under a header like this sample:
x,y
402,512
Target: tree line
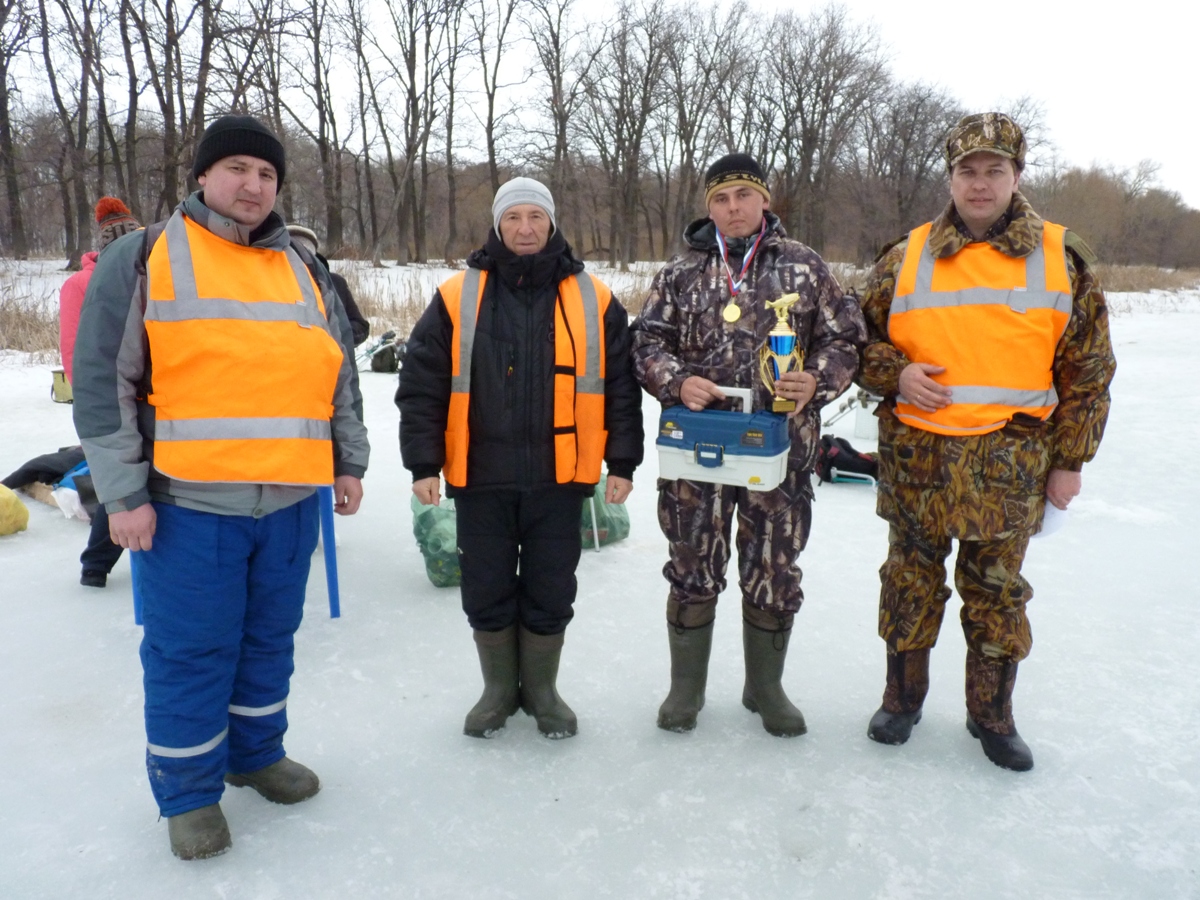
x,y
402,117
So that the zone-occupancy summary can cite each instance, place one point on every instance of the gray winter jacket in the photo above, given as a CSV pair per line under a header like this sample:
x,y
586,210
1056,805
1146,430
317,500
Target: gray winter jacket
x,y
114,375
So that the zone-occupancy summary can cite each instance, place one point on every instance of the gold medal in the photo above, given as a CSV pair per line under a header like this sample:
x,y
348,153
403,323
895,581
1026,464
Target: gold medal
x,y
731,313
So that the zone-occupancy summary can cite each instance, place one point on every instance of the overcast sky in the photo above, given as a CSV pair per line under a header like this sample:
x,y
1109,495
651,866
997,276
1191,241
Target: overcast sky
x,y
1118,81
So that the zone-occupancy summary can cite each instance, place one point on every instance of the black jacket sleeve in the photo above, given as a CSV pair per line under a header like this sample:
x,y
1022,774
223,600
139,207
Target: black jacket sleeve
x,y
622,396
424,393
358,324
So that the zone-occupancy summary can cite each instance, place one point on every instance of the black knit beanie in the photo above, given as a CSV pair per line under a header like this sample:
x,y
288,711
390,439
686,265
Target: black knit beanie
x,y
233,135
735,169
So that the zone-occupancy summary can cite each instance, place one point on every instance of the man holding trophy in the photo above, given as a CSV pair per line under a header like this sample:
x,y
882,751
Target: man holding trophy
x,y
742,307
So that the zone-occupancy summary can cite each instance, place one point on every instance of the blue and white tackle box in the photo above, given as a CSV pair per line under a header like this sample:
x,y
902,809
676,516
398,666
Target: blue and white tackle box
x,y
746,449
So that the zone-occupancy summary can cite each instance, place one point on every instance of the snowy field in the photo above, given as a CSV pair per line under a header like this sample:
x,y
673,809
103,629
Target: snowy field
x,y
410,808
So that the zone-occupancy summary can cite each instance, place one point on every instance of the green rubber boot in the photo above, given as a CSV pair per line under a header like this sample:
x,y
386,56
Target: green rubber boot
x,y
284,781
539,656
766,652
501,682
690,650
199,833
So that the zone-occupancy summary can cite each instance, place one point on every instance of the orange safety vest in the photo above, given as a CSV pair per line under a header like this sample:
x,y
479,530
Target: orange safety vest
x,y
244,361
579,363
993,321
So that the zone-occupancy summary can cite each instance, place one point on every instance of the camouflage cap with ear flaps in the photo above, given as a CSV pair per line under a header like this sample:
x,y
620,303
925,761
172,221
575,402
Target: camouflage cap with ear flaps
x,y
989,132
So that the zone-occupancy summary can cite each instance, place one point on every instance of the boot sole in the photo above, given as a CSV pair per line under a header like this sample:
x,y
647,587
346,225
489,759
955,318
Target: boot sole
x,y
677,727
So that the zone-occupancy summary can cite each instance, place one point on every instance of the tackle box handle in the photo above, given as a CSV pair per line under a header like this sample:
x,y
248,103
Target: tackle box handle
x,y
746,395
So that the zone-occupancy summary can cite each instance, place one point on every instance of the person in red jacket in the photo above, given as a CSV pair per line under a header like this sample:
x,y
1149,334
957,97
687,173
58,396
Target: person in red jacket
x,y
114,219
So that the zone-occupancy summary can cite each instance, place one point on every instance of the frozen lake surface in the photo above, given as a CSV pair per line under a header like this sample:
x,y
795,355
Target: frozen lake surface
x,y
410,808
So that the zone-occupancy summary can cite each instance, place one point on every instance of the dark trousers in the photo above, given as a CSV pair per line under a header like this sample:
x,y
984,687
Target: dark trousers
x,y
518,551
101,553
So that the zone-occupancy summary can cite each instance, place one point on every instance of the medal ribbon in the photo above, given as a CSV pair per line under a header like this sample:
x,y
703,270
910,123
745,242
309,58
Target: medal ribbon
x,y
735,286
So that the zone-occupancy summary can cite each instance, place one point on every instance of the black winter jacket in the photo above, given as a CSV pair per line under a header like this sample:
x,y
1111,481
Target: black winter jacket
x,y
511,416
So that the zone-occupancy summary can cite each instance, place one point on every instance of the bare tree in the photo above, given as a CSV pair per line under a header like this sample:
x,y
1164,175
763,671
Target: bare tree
x,y
163,31
18,29
828,70
355,24
896,174
455,48
564,65
311,71
74,34
490,21
623,91
699,56
748,119
415,61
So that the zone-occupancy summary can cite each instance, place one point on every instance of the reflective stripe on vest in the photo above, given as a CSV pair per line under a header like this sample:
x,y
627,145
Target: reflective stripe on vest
x,y
993,321
244,363
579,362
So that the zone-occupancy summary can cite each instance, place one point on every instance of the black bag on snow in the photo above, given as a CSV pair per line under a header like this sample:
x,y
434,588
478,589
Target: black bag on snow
x,y
838,453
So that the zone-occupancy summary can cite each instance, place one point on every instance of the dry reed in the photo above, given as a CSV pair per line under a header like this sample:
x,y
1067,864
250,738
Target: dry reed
x,y
1146,278
27,324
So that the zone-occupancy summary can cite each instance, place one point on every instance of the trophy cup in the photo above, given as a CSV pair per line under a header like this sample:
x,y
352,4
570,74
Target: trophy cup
x,y
777,355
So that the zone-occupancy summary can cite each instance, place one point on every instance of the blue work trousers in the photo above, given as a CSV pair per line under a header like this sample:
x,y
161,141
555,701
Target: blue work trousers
x,y
222,598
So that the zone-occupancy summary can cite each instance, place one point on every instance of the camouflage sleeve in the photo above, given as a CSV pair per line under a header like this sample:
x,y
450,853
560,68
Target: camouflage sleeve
x,y
1084,366
882,362
655,331
838,334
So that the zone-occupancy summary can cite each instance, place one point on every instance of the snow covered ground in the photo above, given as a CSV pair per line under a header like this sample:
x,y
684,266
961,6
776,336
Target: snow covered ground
x,y
410,808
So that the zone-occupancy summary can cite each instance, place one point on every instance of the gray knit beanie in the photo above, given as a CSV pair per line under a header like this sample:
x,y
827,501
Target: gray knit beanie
x,y
518,191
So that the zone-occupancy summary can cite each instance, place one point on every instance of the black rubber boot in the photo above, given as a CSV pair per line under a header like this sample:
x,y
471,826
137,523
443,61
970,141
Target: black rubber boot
x,y
766,652
538,657
690,650
285,781
501,682
199,833
907,685
990,684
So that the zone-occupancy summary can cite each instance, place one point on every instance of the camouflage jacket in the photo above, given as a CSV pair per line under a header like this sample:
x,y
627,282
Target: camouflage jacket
x,y
681,332
993,485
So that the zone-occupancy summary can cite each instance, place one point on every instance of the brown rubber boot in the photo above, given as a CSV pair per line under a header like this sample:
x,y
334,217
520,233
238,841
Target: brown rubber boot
x,y
284,781
538,660
990,684
766,653
501,682
907,685
199,833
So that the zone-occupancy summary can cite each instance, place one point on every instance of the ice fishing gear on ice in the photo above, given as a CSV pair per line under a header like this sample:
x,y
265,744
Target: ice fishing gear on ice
x,y
385,354
837,460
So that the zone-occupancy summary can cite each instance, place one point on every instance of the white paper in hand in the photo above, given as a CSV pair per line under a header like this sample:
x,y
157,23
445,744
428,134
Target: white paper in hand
x,y
1053,520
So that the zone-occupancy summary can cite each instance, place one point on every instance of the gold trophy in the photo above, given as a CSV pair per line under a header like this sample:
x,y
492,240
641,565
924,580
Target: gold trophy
x,y
777,355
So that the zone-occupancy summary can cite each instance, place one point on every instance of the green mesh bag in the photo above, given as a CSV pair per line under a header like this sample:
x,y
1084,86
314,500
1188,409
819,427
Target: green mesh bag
x,y
437,536
612,521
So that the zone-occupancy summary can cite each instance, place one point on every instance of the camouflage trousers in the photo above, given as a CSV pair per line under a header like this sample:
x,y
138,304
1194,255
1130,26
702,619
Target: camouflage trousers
x,y
772,528
987,574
